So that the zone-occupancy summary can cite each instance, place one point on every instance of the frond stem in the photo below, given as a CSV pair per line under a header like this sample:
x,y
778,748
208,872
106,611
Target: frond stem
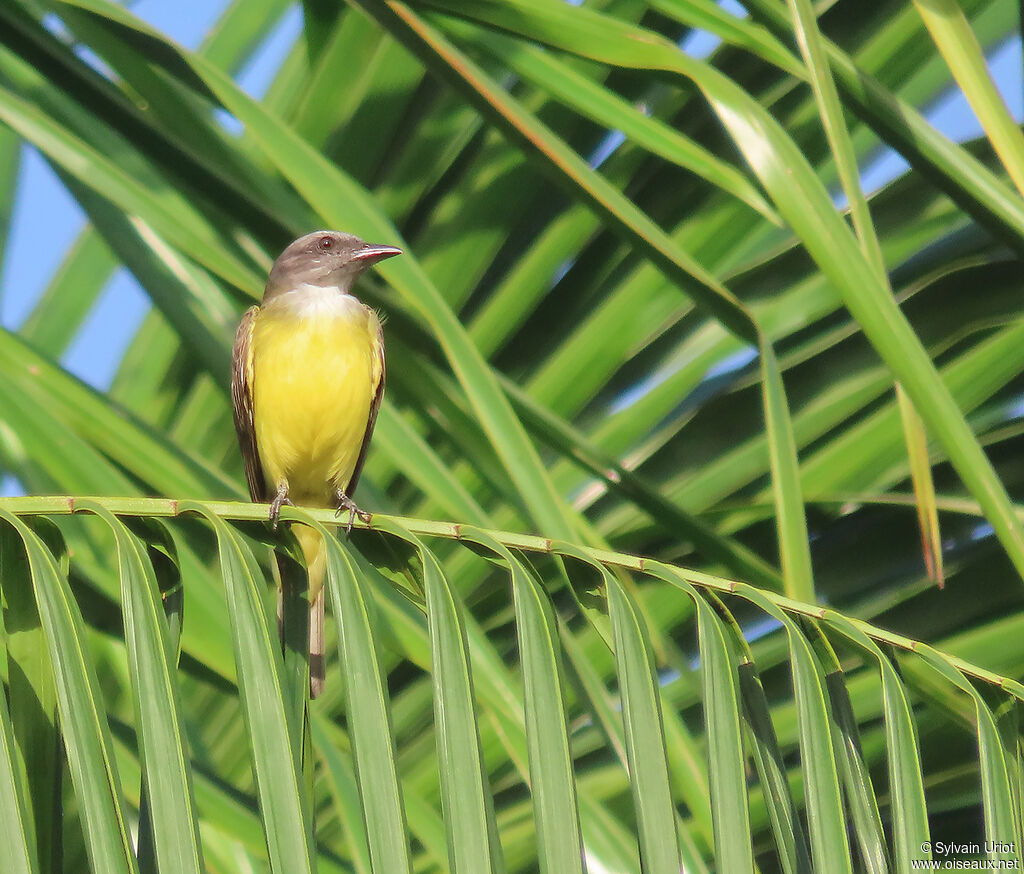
x,y
235,511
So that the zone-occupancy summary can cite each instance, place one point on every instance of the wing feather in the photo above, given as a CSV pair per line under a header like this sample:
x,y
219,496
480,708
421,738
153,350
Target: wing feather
x,y
242,403
378,396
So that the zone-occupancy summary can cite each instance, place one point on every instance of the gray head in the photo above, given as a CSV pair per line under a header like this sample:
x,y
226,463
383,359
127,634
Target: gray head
x,y
324,258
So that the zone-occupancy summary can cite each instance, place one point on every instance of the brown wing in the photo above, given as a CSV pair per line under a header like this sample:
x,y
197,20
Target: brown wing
x,y
378,396
241,401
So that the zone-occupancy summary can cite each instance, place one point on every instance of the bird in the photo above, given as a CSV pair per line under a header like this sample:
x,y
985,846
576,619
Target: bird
x,y
307,380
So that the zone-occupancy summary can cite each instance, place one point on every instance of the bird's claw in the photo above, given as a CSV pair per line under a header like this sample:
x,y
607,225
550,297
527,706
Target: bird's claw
x,y
346,503
280,499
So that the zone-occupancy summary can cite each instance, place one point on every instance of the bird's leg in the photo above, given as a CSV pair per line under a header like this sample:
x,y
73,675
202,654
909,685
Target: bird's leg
x,y
280,499
346,503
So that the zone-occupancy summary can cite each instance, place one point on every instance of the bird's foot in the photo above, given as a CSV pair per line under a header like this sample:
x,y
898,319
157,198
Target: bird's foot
x,y
280,499
346,503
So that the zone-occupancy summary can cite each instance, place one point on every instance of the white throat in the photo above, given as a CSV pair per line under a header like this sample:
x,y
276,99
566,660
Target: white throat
x,y
317,301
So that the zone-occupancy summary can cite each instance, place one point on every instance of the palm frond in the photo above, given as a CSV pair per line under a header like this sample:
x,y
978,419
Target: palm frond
x,y
631,318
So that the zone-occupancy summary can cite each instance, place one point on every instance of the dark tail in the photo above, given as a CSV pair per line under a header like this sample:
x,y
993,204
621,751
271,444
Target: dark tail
x,y
316,645
293,579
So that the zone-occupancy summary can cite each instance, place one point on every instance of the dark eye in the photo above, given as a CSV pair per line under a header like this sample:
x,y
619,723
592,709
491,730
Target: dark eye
x,y
326,243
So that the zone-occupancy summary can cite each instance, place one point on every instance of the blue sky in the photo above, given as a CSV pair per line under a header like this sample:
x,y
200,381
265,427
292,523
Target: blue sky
x,y
43,208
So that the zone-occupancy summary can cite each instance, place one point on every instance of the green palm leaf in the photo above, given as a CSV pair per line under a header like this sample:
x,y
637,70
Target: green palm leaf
x,y
639,358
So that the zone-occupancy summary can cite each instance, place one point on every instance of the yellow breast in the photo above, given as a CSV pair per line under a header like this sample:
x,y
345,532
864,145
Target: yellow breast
x,y
315,372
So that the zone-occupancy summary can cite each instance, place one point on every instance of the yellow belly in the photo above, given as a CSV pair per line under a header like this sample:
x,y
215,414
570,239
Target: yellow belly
x,y
313,382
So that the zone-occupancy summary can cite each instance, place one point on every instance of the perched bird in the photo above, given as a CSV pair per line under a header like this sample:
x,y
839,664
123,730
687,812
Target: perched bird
x,y
307,378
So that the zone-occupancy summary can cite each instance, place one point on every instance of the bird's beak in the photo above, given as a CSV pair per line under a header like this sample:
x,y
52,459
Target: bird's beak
x,y
371,253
